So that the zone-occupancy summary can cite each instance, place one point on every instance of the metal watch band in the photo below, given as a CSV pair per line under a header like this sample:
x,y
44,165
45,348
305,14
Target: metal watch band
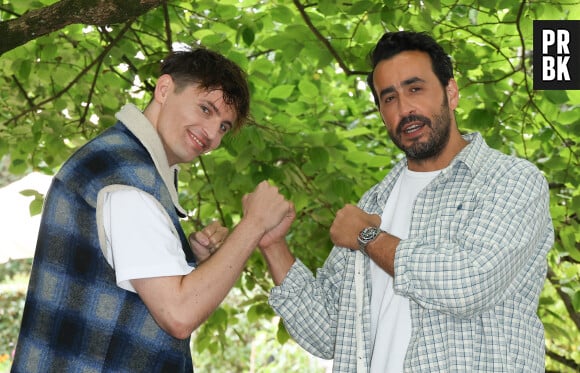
x,y
363,249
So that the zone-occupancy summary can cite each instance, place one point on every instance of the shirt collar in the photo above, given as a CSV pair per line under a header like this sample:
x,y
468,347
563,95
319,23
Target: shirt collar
x,y
143,129
473,155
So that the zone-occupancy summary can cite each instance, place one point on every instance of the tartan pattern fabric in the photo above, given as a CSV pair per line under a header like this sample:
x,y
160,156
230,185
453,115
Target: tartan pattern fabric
x,y
76,319
473,268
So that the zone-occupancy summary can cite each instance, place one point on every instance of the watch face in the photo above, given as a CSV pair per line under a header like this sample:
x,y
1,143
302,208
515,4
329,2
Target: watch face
x,y
368,234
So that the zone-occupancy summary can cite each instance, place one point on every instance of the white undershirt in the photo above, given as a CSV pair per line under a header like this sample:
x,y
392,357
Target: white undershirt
x,y
390,313
139,237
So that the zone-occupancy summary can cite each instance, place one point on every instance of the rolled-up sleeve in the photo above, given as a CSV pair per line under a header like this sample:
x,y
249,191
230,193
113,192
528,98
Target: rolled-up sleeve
x,y
308,305
501,231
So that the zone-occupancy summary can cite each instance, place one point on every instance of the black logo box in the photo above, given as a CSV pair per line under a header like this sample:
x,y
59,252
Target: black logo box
x,y
573,59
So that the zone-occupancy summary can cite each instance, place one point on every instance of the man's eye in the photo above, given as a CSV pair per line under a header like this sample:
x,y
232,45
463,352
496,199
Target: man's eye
x,y
205,109
225,127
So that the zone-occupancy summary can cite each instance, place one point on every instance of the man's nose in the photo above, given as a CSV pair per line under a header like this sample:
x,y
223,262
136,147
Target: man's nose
x,y
214,134
213,130
406,106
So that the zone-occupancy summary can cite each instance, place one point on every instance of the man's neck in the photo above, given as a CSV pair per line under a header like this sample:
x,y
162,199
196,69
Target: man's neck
x,y
441,160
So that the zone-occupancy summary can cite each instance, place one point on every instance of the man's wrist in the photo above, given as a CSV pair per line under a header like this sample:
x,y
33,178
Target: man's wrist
x,y
250,228
281,243
371,246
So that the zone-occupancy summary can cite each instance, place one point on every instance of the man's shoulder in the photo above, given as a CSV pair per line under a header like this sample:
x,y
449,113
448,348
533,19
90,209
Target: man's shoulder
x,y
107,147
510,165
494,161
112,157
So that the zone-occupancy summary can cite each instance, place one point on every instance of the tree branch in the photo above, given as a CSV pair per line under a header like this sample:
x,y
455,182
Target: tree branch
x,y
574,316
323,40
37,106
168,33
213,193
39,22
563,360
23,91
85,111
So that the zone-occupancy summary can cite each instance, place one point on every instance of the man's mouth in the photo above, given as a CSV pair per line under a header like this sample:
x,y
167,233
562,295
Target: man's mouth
x,y
196,139
414,127
412,124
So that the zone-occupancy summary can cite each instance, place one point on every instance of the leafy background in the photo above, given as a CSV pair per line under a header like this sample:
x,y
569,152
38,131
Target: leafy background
x,y
316,132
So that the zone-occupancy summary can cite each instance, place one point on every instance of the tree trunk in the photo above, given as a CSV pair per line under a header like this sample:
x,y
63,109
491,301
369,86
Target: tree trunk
x,y
35,23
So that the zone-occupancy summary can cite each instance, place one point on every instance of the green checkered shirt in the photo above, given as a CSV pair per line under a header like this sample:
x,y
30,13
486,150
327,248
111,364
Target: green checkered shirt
x,y
473,267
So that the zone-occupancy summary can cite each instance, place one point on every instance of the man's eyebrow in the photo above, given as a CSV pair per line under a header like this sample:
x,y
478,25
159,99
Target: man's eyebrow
x,y
387,90
213,107
404,83
412,80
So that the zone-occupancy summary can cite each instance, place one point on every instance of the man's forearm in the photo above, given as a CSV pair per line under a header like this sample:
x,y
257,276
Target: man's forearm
x,y
180,304
279,260
382,251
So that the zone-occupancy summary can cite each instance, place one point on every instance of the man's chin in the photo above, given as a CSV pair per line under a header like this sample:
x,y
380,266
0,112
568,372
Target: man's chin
x,y
420,151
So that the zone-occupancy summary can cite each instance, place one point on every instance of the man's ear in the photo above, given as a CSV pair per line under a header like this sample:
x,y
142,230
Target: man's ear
x,y
452,94
163,87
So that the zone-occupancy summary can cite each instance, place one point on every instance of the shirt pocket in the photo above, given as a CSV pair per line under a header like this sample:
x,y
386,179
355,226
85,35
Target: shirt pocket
x,y
463,214
455,216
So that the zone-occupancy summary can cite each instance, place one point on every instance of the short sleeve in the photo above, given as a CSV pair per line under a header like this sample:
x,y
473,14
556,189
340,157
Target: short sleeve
x,y
140,240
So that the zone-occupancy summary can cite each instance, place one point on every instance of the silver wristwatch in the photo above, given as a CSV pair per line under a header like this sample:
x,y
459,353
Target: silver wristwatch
x,y
365,236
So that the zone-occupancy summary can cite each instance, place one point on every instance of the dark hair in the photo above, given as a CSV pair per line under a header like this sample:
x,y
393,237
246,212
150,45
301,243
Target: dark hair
x,y
393,43
210,71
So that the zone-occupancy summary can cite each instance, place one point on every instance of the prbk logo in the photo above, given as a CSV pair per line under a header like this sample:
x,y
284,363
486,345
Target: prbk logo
x,y
556,55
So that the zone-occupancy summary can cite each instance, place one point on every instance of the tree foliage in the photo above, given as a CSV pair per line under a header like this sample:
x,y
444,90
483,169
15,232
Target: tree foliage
x,y
316,132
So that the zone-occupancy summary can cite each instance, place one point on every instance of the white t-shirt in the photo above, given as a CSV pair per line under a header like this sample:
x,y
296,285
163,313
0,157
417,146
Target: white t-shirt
x,y
139,237
390,313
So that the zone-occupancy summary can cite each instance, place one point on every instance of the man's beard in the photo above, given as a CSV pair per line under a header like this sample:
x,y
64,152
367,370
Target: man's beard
x,y
438,138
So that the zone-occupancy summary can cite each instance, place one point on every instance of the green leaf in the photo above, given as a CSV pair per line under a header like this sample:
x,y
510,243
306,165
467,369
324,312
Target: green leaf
x,y
35,207
556,330
282,91
282,335
480,119
327,7
30,193
319,157
307,88
282,14
219,316
359,7
557,97
248,35
24,68
576,301
18,167
358,131
227,11
568,238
